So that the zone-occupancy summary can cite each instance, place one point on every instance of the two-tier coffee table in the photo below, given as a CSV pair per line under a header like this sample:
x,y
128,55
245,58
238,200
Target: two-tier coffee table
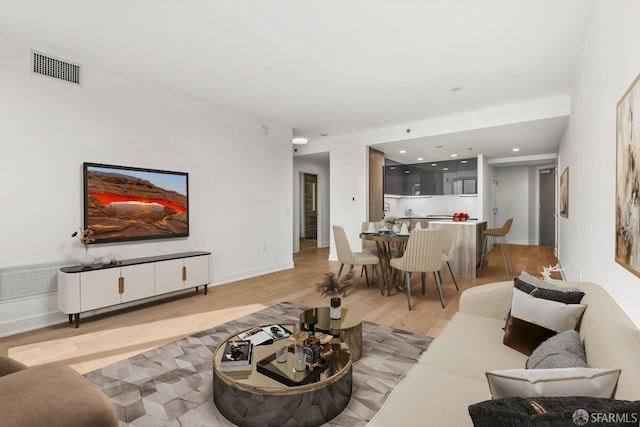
x,y
348,327
257,399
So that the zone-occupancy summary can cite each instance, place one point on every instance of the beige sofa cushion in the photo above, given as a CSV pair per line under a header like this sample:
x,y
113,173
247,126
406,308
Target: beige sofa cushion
x,y
611,339
53,395
428,396
471,345
9,366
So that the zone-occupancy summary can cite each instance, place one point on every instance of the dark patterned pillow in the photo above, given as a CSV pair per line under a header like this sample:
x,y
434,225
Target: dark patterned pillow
x,y
567,297
554,412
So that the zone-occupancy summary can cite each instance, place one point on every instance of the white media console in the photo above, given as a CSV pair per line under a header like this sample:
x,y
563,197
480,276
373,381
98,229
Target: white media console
x,y
82,289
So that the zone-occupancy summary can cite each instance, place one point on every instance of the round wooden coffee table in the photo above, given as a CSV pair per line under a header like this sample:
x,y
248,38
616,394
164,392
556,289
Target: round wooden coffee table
x,y
259,398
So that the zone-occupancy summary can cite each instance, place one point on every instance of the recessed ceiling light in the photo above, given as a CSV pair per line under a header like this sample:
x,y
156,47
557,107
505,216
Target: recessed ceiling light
x,y
445,169
516,149
420,159
454,155
456,89
300,141
463,161
434,164
406,171
403,151
392,167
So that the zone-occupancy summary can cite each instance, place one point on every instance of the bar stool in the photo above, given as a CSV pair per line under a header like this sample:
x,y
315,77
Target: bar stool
x,y
493,236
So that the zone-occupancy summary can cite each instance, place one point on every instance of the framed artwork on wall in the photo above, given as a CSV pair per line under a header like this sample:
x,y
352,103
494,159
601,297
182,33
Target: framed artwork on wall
x,y
564,193
628,179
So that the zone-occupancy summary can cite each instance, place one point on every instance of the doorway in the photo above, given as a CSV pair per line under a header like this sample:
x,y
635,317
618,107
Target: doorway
x,y
547,207
309,237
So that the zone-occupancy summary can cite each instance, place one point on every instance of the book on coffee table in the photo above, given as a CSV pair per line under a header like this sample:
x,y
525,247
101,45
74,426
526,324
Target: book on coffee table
x,y
265,334
237,356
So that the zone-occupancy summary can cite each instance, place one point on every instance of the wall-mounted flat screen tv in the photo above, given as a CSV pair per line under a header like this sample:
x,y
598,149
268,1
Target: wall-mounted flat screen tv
x,y
124,203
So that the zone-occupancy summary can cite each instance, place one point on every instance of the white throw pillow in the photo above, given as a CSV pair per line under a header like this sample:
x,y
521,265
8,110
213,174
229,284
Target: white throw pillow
x,y
552,315
592,382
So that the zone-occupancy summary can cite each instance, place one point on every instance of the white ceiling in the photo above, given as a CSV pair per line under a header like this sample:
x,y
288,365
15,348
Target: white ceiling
x,y
331,66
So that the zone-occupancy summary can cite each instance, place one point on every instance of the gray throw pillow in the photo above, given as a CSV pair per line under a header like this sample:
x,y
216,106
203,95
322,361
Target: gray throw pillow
x,y
564,350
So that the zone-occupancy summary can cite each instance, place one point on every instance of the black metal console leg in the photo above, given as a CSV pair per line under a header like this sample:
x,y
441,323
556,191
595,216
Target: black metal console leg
x,y
77,320
70,318
205,289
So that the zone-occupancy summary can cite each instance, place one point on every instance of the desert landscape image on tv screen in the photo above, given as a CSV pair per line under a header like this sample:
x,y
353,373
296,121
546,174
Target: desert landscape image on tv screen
x,y
123,203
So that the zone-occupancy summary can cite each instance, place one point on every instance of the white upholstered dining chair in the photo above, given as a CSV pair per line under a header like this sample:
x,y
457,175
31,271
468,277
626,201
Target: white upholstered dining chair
x,y
350,258
369,246
449,237
424,255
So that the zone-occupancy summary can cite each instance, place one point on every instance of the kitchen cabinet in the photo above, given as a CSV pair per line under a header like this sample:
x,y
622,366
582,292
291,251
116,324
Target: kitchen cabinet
x,y
412,180
394,182
83,289
432,178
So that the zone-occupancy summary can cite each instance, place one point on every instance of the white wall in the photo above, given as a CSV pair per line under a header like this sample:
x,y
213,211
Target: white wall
x,y
513,202
608,64
240,181
317,165
486,190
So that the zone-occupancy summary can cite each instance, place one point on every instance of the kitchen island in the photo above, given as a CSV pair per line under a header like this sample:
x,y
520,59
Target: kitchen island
x,y
424,221
466,257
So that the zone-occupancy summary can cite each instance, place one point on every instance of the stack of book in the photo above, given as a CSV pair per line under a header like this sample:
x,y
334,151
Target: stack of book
x,y
236,358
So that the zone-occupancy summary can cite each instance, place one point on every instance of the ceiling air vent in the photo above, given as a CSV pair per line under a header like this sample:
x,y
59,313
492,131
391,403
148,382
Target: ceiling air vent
x,y
58,69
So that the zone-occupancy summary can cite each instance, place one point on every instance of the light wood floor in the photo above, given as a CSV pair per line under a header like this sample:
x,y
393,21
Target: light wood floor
x,y
104,339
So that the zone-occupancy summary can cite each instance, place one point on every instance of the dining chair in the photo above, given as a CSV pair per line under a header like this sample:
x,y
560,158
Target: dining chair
x,y
350,258
493,236
369,246
424,255
449,238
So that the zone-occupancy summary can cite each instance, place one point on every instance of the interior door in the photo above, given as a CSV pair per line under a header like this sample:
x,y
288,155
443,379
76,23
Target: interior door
x,y
547,207
310,206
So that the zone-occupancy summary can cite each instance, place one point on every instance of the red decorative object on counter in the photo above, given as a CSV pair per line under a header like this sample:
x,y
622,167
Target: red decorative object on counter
x,y
460,216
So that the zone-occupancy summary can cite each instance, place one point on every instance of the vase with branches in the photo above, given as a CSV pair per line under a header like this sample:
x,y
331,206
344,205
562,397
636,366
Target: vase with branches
x,y
86,237
331,285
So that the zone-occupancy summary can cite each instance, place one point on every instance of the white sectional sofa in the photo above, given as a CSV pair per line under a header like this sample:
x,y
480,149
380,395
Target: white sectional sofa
x,y
450,375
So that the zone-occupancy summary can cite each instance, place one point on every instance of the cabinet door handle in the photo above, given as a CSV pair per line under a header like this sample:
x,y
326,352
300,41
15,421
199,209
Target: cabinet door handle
x,y
120,285
184,273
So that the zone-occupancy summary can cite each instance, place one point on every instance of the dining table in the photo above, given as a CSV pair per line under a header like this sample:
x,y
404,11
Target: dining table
x,y
384,241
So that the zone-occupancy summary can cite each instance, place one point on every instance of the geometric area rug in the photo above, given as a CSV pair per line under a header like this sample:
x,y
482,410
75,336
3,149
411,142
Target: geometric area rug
x,y
172,385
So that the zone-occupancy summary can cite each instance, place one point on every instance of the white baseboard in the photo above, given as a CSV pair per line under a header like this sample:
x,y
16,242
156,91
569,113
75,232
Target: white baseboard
x,y
42,310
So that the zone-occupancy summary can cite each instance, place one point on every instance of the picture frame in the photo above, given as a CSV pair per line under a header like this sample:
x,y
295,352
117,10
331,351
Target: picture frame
x,y
126,203
627,209
564,193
